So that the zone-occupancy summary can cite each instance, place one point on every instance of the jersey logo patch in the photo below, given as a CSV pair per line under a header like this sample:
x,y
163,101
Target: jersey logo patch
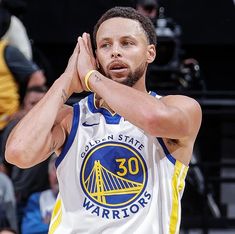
x,y
113,175
85,124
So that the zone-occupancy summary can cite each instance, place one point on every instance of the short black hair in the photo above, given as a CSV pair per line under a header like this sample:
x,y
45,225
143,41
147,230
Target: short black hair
x,y
128,13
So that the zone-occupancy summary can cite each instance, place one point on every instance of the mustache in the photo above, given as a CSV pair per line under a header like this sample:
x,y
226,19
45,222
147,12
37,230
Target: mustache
x,y
116,62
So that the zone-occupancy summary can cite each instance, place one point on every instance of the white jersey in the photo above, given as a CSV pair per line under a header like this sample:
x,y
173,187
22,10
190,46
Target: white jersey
x,y
114,178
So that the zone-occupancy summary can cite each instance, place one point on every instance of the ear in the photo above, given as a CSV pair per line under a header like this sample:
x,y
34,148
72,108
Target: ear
x,y
151,53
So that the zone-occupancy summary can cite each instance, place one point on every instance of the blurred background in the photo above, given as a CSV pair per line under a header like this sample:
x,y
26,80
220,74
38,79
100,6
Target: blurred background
x,y
195,57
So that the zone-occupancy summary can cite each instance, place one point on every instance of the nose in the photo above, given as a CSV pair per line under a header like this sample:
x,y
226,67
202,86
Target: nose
x,y
116,52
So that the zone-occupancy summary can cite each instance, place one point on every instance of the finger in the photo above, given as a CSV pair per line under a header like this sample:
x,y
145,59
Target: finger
x,y
84,37
76,49
89,44
75,53
82,46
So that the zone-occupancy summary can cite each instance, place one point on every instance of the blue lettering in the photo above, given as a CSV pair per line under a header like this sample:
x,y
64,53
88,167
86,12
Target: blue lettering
x,y
86,204
134,208
96,210
136,142
120,137
125,213
142,202
147,195
105,213
141,147
110,137
116,214
86,148
91,144
126,137
131,140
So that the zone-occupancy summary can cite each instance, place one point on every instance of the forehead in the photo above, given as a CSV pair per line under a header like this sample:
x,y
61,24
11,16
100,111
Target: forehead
x,y
120,27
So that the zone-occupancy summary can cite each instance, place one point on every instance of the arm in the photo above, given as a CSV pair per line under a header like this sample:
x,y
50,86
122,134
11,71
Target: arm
x,y
169,117
174,117
43,130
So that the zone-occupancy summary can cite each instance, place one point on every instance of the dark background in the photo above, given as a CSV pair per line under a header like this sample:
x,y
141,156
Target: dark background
x,y
207,26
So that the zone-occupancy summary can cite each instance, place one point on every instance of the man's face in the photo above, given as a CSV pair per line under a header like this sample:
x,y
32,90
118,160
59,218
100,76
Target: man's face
x,y
122,50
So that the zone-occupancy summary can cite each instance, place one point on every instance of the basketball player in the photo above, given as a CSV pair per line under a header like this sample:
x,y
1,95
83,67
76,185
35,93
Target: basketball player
x,y
123,152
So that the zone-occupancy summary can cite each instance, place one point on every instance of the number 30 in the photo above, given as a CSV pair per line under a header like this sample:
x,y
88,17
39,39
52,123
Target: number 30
x,y
129,167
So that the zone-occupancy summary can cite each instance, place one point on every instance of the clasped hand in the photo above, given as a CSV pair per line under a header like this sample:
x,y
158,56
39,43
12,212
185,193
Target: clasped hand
x,y
80,63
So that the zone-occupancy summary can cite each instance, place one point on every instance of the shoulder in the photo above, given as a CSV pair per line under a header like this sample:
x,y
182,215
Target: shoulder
x,y
180,100
187,105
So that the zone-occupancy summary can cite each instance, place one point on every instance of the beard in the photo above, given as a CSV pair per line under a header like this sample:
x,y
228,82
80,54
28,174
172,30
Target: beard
x,y
132,77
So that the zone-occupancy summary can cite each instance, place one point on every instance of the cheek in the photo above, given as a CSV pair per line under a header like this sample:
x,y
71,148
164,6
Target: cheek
x,y
103,60
138,60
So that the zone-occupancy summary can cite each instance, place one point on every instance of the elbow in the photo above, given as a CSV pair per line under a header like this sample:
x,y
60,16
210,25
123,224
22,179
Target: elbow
x,y
17,156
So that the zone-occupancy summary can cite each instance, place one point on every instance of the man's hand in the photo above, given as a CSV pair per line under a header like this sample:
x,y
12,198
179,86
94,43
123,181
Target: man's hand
x,y
86,60
71,72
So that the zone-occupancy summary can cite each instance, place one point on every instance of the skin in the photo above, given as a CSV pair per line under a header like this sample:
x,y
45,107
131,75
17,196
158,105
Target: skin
x,y
120,53
7,232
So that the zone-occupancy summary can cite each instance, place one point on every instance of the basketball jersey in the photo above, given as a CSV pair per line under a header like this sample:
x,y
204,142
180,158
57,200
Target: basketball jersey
x,y
114,178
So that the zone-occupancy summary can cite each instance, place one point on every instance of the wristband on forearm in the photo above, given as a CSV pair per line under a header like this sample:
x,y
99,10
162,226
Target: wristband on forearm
x,y
88,75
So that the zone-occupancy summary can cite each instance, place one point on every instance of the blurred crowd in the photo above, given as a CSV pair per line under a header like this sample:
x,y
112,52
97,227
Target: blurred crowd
x,y
27,196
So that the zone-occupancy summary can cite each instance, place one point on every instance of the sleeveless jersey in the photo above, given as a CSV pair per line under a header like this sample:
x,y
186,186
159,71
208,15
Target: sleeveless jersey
x,y
115,178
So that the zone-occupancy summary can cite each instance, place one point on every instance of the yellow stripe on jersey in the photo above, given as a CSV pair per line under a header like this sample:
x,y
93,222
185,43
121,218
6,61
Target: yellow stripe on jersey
x,y
177,185
56,217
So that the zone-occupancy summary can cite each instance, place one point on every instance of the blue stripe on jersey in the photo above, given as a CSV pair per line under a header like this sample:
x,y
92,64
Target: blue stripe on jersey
x,y
153,94
70,139
166,151
110,119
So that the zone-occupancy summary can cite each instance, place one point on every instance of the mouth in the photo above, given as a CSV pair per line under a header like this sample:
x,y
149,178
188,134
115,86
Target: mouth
x,y
118,67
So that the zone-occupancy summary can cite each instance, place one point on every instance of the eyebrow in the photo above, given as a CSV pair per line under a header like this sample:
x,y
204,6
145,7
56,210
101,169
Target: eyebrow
x,y
123,37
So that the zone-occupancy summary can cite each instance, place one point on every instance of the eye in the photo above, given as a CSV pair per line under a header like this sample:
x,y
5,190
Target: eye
x,y
127,43
105,45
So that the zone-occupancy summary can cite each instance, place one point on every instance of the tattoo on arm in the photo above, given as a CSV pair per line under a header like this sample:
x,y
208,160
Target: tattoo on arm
x,y
97,78
64,96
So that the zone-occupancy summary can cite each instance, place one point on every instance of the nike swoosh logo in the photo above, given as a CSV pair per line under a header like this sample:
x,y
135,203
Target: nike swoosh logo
x,y
85,124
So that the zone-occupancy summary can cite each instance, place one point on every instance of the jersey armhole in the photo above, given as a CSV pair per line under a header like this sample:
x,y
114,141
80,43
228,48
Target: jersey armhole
x,y
169,156
166,151
72,134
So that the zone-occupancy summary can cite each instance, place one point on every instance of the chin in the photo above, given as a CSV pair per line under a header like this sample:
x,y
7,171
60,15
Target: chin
x,y
120,79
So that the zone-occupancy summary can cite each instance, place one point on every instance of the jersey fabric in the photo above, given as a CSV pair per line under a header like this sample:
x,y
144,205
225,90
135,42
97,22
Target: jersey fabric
x,y
9,97
115,178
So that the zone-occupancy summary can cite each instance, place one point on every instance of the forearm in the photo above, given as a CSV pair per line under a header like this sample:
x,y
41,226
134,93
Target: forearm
x,y
156,117
134,105
29,141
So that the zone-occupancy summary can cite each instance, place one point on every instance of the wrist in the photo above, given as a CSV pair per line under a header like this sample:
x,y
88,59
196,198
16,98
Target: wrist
x,y
87,80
